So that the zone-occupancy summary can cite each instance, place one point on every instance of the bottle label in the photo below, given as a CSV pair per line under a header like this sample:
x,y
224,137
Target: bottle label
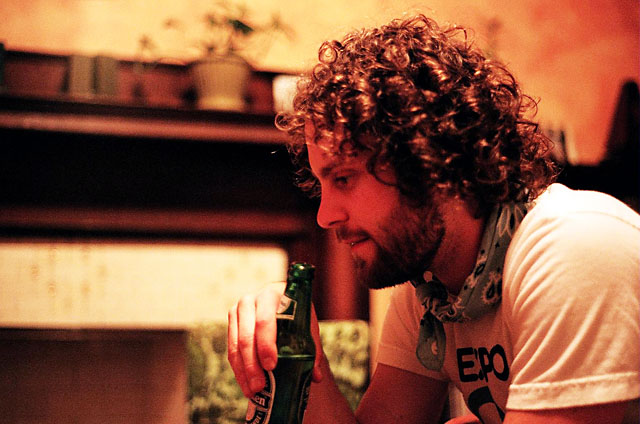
x,y
261,404
287,404
286,308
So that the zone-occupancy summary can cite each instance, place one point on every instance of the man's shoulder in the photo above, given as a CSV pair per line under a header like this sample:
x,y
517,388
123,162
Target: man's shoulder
x,y
573,235
559,202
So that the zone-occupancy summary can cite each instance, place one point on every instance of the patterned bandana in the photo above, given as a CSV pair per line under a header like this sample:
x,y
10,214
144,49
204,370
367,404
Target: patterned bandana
x,y
481,292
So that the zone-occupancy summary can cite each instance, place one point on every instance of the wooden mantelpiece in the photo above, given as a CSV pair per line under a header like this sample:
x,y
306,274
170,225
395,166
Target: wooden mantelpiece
x,y
99,164
121,169
64,114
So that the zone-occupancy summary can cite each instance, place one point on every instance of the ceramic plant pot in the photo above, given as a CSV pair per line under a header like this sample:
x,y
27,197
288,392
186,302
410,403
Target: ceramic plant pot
x,y
221,83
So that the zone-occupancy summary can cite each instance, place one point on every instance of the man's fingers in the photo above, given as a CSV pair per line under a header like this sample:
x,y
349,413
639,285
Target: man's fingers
x,y
233,352
266,328
247,343
252,336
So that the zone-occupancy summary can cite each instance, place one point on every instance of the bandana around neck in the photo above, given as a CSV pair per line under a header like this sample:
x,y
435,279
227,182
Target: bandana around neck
x,y
482,290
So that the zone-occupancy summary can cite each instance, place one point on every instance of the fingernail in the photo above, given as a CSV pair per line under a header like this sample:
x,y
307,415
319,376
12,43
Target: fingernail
x,y
269,364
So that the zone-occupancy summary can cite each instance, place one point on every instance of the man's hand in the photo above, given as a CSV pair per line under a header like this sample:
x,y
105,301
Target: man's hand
x,y
252,335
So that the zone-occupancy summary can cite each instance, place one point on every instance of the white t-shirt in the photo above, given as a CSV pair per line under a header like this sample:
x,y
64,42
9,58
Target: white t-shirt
x,y
567,331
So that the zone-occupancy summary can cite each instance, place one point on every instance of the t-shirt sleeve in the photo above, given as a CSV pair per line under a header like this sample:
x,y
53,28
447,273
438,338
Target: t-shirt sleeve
x,y
399,337
573,311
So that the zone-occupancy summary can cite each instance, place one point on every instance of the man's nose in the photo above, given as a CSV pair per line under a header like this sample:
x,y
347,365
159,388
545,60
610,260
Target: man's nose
x,y
330,212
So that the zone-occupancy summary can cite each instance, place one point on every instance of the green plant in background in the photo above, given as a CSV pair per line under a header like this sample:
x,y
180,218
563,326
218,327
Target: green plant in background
x,y
220,47
214,397
230,29
346,346
227,29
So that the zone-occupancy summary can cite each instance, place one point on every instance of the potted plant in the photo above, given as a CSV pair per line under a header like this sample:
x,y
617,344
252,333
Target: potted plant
x,y
229,36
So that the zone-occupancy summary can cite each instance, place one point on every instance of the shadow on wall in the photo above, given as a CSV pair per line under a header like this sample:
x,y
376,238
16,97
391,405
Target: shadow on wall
x,y
618,173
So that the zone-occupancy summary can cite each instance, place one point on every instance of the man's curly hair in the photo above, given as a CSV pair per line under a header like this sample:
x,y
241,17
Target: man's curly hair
x,y
428,103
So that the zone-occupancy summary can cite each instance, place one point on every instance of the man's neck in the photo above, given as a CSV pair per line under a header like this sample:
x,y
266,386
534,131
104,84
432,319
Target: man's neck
x,y
458,253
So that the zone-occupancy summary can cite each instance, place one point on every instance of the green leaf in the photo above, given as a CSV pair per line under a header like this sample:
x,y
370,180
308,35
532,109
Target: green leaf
x,y
240,26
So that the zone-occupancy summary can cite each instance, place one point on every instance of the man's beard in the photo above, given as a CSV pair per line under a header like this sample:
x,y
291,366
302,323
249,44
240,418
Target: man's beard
x,y
409,242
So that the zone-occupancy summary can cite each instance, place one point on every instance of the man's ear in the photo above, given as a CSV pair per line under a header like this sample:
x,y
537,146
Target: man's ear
x,y
384,172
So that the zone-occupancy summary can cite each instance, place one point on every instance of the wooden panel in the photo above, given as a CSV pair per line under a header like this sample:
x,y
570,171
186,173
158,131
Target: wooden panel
x,y
40,168
159,222
109,118
92,377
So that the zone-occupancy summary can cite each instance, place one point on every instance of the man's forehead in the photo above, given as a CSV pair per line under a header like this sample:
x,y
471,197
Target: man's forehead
x,y
324,156
325,141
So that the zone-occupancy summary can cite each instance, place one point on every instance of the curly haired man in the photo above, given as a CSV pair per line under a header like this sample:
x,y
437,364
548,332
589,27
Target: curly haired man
x,y
521,292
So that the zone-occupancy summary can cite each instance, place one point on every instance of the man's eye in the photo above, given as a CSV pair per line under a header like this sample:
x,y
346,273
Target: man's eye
x,y
342,180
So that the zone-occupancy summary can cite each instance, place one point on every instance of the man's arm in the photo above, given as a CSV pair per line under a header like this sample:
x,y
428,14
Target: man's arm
x,y
393,396
326,402
399,396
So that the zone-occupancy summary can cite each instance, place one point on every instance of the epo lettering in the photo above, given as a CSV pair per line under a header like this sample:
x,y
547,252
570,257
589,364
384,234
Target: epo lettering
x,y
484,361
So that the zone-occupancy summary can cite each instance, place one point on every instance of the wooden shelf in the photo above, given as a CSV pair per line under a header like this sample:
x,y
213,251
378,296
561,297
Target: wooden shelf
x,y
159,103
103,117
100,166
160,223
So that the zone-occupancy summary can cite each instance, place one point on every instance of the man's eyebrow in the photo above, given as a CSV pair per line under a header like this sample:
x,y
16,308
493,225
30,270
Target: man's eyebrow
x,y
334,164
328,169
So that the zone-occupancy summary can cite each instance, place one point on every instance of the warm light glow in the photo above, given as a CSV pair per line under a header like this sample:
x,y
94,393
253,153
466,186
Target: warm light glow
x,y
130,285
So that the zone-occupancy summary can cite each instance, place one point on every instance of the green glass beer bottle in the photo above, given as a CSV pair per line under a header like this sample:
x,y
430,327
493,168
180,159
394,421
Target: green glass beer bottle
x,y
284,397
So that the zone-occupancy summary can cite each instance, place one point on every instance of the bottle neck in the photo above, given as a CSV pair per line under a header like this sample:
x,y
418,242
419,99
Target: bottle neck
x,y
299,291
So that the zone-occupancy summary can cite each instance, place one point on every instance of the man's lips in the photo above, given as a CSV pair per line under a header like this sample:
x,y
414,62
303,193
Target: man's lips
x,y
352,239
355,242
